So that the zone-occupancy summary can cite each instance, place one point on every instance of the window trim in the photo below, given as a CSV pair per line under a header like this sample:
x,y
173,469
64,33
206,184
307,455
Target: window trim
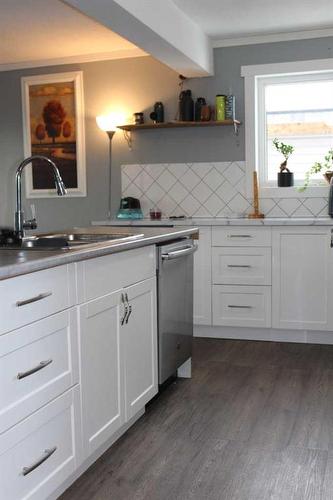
x,y
255,78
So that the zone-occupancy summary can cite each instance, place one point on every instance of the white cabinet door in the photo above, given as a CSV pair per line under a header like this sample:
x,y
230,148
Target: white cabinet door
x,y
202,278
41,452
37,363
241,266
248,306
140,349
302,278
101,370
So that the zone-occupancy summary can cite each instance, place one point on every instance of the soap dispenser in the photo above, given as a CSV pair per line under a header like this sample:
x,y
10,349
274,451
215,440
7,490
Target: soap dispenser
x,y
330,199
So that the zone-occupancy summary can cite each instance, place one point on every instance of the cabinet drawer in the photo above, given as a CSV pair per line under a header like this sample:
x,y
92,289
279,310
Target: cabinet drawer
x,y
37,363
30,297
242,266
241,237
103,275
242,305
41,452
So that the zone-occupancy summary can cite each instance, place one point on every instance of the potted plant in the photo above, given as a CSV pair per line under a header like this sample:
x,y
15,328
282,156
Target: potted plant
x,y
326,167
285,177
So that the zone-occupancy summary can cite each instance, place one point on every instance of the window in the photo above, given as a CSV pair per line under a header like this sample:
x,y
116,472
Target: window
x,y
293,102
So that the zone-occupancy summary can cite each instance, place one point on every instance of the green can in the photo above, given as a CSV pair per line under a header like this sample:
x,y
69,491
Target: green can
x,y
220,107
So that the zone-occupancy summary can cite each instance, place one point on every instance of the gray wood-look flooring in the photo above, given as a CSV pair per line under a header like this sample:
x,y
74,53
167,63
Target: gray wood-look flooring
x,y
254,423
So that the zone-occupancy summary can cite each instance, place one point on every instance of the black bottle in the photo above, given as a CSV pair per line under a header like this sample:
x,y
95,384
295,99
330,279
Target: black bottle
x,y
201,101
330,199
159,110
186,106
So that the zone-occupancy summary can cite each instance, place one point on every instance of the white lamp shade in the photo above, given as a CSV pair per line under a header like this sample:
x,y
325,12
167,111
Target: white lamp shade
x,y
108,123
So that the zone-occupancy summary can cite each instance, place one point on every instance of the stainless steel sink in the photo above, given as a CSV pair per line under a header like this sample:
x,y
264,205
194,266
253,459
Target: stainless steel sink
x,y
68,241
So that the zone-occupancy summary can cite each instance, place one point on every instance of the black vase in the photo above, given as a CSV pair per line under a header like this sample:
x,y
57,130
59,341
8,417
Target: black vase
x,y
186,106
285,179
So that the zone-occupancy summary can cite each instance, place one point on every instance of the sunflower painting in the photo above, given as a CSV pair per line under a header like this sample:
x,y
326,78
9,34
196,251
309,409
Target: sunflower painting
x,y
53,125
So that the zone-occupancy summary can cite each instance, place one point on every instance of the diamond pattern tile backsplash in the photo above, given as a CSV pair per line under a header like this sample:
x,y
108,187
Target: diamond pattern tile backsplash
x,y
206,190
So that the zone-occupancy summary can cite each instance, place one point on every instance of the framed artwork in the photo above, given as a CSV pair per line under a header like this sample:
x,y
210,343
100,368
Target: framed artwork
x,y
53,126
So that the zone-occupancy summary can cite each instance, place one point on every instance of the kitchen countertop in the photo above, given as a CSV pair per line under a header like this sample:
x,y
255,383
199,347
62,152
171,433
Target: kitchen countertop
x,y
17,262
222,221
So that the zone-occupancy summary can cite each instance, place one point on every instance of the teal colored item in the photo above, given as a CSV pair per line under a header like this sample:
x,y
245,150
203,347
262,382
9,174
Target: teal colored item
x,y
130,213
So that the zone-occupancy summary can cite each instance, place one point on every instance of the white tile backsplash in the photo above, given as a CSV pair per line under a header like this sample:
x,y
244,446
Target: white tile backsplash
x,y
214,189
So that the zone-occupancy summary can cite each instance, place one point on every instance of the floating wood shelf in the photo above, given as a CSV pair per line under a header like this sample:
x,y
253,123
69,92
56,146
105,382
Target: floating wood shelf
x,y
178,124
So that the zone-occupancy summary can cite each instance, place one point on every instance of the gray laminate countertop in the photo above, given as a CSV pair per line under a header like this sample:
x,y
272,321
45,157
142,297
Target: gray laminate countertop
x,y
17,262
222,221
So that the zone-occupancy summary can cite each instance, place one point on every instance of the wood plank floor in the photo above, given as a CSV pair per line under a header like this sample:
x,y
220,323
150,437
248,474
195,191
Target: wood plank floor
x,y
254,423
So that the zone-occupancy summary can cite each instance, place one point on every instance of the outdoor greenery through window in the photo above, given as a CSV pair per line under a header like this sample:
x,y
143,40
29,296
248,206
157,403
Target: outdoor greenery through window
x,y
298,112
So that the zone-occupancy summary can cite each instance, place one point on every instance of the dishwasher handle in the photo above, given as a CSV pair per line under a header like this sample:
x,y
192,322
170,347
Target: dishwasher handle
x,y
176,254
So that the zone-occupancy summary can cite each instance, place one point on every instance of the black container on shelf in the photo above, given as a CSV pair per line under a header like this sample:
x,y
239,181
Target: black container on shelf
x,y
285,179
157,115
201,101
186,106
159,110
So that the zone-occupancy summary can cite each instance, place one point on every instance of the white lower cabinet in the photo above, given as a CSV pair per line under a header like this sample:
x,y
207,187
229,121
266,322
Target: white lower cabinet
x,y
78,371
302,278
37,363
248,306
42,451
140,346
241,266
102,381
118,342
202,279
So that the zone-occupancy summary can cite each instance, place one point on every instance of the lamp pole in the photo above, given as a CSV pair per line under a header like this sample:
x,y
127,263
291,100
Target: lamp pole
x,y
110,135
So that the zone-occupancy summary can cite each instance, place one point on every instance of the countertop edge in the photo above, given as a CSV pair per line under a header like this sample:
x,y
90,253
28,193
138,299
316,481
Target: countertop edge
x,y
46,259
220,221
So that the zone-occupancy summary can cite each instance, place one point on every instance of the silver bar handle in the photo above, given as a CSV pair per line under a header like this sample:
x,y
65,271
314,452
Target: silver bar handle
x,y
40,366
240,236
41,296
179,253
240,266
240,307
39,461
125,304
129,309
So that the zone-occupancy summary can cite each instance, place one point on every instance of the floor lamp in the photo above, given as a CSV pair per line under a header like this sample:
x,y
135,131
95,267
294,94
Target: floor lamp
x,y
108,125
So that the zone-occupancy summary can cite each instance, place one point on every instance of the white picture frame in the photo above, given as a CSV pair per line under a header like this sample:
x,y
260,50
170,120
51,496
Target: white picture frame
x,y
68,151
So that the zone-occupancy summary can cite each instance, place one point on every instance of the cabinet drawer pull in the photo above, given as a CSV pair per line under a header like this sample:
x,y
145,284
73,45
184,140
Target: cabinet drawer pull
x,y
240,236
47,453
41,296
240,307
129,312
247,266
125,304
129,309
41,365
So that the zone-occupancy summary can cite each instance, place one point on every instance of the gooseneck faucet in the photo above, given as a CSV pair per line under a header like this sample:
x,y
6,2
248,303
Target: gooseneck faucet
x,y
20,223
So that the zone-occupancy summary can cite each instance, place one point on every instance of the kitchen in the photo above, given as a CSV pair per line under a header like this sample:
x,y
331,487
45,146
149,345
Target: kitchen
x,y
250,414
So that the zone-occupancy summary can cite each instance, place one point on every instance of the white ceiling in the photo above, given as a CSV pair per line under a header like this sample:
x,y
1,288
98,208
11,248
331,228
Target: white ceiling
x,y
40,30
180,33
227,19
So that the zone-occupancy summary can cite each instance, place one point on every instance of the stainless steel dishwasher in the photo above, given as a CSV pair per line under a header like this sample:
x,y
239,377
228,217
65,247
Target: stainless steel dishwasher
x,y
175,305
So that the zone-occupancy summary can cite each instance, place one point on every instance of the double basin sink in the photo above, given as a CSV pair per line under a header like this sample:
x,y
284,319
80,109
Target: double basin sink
x,y
69,241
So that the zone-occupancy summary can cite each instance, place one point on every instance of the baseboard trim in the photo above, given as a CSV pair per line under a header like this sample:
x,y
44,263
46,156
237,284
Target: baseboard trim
x,y
266,334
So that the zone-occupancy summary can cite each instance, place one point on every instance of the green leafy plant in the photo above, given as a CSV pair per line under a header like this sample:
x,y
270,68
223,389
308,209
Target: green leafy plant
x,y
286,150
325,167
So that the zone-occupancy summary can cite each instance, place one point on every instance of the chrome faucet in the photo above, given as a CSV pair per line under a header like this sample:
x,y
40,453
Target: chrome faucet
x,y
20,223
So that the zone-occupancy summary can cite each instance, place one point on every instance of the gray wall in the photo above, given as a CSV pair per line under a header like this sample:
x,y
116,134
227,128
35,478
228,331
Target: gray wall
x,y
135,84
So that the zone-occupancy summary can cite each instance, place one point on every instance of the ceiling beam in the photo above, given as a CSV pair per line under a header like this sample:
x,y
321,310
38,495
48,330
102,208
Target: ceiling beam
x,y
159,28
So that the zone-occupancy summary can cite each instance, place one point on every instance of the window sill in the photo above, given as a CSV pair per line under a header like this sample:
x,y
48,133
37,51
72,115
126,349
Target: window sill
x,y
292,192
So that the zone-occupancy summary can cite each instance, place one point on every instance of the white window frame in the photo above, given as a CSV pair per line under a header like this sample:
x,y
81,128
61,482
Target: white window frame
x,y
256,77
